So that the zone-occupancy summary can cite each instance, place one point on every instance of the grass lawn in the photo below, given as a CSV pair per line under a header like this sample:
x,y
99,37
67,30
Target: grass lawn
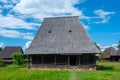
x,y
106,71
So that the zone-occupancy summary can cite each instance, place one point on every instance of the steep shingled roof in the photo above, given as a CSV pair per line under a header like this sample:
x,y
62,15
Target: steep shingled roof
x,y
62,35
9,50
110,51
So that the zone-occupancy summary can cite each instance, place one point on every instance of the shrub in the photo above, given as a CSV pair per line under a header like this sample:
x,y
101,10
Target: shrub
x,y
118,46
1,62
0,49
101,57
18,58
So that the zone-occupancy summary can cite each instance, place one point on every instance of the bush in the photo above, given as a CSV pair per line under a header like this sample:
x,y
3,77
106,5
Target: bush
x,y
18,58
1,62
101,57
0,49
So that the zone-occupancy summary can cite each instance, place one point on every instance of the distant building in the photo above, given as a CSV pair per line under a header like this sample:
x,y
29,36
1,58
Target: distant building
x,y
118,53
7,52
62,42
111,54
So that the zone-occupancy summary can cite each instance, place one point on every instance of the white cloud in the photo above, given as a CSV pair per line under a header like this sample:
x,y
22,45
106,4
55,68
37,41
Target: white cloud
x,y
38,9
1,10
104,16
114,45
28,36
85,26
15,34
10,22
3,1
27,44
8,4
1,44
48,8
116,33
104,47
102,13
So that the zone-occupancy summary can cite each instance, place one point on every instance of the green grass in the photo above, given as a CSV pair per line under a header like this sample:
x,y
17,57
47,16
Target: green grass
x,y
14,72
106,71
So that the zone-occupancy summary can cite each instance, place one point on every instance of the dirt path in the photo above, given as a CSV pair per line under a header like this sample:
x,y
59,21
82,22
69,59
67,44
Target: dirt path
x,y
73,76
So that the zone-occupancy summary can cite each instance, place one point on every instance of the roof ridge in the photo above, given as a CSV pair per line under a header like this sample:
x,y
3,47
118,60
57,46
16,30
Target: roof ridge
x,y
12,46
62,17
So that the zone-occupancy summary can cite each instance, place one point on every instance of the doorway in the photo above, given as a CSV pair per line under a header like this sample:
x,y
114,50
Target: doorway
x,y
73,60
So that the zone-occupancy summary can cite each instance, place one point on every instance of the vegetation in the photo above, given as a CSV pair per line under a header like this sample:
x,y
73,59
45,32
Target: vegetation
x,y
18,58
101,55
1,62
16,72
97,46
106,71
118,45
0,49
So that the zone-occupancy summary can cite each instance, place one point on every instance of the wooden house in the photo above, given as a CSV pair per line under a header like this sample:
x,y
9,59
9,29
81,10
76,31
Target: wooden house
x,y
118,54
62,42
111,54
7,52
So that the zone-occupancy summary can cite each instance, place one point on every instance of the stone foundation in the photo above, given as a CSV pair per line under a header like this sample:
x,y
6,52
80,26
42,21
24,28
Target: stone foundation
x,y
59,67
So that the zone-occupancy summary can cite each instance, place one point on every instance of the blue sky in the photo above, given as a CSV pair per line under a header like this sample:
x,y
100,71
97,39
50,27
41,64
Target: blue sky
x,y
20,19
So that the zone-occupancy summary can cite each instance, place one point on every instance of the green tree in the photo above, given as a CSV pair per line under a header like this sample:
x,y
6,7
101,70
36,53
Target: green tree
x,y
1,62
0,49
101,55
97,46
118,46
18,58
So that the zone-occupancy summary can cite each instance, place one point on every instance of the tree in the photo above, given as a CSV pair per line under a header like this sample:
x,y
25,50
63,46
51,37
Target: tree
x,y
118,46
101,55
18,58
1,62
0,49
97,46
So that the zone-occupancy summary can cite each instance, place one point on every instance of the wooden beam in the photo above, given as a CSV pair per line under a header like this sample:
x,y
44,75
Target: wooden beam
x,y
28,62
55,60
94,59
68,61
79,60
42,60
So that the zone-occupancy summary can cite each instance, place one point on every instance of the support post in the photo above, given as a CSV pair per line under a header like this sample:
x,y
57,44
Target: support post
x,y
55,60
79,60
94,59
94,62
68,61
42,60
28,62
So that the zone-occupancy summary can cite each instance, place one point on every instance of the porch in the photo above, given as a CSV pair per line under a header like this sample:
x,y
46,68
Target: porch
x,y
61,61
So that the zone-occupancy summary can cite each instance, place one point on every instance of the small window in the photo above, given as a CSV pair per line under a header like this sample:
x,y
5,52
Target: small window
x,y
49,31
70,31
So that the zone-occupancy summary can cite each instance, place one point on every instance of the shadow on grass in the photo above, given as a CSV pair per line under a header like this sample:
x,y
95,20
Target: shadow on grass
x,y
3,65
12,66
103,68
